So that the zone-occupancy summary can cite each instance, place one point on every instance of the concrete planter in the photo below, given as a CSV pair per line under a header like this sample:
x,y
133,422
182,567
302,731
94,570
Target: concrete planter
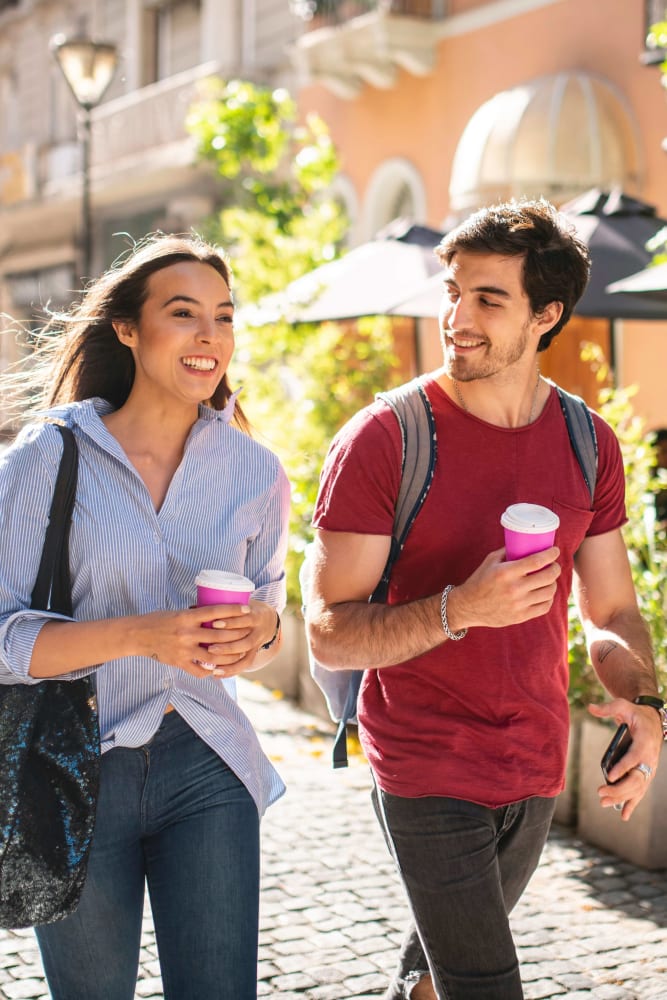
x,y
643,839
567,802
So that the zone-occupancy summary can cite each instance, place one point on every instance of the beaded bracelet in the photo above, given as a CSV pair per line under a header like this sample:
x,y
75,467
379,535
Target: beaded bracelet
x,y
443,616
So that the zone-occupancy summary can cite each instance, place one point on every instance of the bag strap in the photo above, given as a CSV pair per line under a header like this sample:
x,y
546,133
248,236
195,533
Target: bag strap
x,y
583,438
53,588
412,409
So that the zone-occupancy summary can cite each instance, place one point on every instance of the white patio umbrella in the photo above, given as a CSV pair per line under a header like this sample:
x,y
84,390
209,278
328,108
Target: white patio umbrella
x,y
367,281
423,302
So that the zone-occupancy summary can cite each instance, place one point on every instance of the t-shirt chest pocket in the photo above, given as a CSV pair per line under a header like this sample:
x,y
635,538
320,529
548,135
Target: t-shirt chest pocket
x,y
574,523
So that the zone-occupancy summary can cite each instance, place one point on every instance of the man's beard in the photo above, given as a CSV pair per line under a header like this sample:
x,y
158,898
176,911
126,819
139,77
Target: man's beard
x,y
493,361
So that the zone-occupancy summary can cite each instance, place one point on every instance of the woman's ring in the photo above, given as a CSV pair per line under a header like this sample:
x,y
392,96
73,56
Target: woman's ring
x,y
204,665
645,770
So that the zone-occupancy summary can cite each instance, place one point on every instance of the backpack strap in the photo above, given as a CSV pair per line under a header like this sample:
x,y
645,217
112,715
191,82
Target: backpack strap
x,y
583,438
339,753
412,409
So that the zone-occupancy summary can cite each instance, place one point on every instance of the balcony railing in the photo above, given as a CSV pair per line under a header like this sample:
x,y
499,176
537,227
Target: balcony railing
x,y
144,124
331,12
350,43
147,119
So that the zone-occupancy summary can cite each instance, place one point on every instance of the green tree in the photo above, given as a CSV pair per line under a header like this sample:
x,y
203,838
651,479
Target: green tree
x,y
646,542
279,220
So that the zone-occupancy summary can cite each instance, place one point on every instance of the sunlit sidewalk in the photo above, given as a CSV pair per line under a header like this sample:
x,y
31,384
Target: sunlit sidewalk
x,y
332,912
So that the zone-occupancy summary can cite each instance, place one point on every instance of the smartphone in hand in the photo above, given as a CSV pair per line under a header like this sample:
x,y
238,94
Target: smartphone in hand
x,y
619,745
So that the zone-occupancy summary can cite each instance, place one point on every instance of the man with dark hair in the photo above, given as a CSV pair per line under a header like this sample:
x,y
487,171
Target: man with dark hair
x,y
556,263
463,709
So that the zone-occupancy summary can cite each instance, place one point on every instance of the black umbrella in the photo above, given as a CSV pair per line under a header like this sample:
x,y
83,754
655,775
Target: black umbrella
x,y
616,229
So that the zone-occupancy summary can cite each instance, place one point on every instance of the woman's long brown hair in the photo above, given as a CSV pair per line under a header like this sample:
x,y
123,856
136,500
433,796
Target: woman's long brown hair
x,y
78,354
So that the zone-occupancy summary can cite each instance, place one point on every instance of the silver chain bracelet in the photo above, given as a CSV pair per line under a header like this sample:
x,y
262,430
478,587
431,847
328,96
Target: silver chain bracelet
x,y
443,616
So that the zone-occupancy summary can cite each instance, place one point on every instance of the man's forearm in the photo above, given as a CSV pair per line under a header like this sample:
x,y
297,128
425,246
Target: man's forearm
x,y
358,635
622,656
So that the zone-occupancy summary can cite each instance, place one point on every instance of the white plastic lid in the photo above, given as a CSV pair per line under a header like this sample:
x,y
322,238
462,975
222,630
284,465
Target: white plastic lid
x,y
222,580
530,518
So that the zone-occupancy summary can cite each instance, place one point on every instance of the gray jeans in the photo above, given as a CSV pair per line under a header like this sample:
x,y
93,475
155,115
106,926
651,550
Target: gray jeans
x,y
464,868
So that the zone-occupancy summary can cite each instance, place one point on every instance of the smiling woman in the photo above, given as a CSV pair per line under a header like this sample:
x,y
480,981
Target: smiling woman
x,y
181,345
169,484
90,356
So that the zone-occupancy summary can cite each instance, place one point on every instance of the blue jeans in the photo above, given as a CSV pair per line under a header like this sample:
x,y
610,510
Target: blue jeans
x,y
464,868
170,814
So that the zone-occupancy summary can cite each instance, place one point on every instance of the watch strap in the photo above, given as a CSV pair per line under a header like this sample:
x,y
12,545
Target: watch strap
x,y
653,701
650,699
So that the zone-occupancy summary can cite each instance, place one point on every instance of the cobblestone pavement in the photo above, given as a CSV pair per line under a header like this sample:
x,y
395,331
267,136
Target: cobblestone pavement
x,y
332,912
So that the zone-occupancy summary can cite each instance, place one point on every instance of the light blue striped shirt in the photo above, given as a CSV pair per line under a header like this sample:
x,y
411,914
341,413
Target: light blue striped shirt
x,y
226,508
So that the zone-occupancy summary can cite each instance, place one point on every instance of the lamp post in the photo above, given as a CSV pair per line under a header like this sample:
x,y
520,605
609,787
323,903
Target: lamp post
x,y
88,68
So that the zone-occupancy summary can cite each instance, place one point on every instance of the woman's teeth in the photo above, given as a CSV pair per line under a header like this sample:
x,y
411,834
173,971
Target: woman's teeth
x,y
201,364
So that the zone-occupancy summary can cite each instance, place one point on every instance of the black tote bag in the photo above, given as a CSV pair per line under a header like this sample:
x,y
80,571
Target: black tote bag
x,y
49,753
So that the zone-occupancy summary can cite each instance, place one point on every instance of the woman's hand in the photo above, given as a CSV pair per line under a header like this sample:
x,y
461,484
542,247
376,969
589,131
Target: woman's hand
x,y
228,647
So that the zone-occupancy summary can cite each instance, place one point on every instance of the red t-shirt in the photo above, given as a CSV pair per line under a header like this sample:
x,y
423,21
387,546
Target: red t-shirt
x,y
485,719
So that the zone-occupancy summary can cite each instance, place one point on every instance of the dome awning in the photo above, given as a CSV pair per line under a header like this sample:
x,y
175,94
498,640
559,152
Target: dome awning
x,y
553,137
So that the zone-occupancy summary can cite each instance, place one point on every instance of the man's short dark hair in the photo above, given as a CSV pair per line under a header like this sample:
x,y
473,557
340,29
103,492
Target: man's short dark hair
x,y
556,263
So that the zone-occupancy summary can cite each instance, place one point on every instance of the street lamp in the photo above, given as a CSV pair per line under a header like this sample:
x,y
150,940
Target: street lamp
x,y
88,68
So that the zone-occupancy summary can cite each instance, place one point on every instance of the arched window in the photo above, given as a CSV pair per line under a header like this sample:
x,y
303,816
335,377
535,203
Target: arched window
x,y
396,190
345,193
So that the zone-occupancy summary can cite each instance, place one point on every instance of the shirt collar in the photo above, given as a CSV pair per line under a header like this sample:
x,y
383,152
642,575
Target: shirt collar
x,y
87,413
225,415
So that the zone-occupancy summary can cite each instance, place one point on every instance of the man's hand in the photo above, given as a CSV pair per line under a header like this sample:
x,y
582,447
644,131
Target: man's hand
x,y
501,593
631,783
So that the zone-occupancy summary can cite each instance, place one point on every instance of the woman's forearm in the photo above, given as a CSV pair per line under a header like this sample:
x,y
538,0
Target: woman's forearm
x,y
173,637
62,647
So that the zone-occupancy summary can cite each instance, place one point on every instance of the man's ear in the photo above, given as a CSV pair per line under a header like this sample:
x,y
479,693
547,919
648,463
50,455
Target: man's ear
x,y
547,319
124,331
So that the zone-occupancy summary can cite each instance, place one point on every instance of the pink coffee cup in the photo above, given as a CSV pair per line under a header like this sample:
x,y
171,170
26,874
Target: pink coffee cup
x,y
528,528
219,587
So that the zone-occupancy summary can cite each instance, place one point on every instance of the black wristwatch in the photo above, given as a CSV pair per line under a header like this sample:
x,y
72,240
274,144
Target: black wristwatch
x,y
267,645
658,704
